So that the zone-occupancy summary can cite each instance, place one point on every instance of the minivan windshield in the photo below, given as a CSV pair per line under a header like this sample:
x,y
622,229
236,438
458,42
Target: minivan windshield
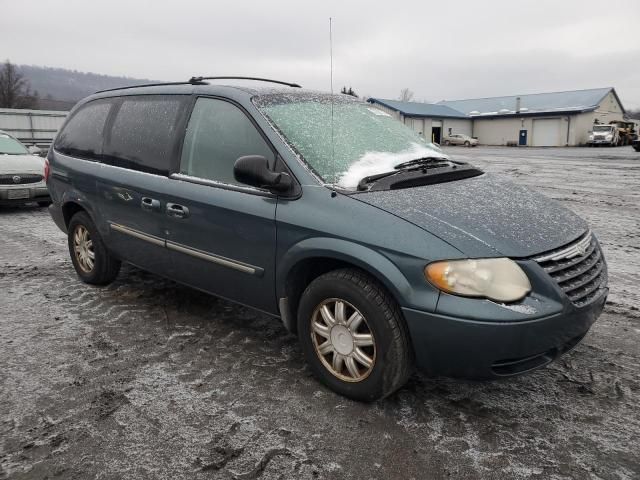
x,y
365,140
10,146
602,128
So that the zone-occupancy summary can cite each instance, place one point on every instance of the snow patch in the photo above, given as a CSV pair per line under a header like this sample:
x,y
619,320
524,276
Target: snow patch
x,y
372,163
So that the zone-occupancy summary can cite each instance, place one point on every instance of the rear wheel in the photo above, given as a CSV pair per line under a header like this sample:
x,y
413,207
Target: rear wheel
x,y
447,142
353,335
93,263
467,143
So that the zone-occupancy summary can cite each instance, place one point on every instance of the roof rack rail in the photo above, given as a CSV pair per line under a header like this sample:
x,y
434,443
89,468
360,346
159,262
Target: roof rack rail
x,y
198,80
149,85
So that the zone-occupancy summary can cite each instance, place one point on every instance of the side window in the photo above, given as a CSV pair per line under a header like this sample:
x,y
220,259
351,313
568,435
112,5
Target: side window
x,y
217,135
143,133
83,134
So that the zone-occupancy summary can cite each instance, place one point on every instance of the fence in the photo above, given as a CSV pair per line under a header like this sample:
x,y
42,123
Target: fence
x,y
32,127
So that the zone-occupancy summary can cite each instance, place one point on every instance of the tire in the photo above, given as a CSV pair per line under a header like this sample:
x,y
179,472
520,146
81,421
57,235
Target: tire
x,y
447,143
103,267
467,143
382,324
44,204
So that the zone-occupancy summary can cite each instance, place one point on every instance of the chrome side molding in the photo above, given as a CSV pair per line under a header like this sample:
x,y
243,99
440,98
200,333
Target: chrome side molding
x,y
177,247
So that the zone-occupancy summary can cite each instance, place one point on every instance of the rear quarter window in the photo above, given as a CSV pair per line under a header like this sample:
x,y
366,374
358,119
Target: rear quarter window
x,y
82,135
143,134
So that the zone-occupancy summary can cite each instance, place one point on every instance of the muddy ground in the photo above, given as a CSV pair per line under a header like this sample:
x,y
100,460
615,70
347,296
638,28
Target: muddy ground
x,y
149,379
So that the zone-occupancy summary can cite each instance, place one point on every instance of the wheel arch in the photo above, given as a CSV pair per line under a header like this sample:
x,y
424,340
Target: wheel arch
x,y
311,258
73,203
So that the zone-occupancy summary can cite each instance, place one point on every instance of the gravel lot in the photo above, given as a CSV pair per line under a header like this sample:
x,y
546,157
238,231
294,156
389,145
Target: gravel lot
x,y
149,379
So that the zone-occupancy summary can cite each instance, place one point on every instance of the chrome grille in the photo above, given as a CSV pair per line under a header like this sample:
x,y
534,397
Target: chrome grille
x,y
579,269
23,179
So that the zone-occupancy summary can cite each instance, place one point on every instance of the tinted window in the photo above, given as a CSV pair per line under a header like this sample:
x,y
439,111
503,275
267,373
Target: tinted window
x,y
217,135
143,133
82,135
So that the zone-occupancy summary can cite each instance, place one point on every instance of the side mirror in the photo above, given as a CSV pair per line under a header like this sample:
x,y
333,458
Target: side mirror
x,y
33,150
254,170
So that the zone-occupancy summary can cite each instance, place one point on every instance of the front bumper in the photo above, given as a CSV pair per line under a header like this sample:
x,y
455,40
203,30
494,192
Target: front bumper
x,y
475,349
34,193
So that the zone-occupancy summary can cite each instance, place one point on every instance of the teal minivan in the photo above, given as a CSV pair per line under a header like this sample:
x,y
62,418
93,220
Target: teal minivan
x,y
377,249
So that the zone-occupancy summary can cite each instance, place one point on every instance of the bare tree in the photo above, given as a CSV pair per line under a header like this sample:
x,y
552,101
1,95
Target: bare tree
x,y
406,95
350,91
15,91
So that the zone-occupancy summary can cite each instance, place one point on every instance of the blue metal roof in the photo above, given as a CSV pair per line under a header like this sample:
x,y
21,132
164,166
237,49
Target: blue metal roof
x,y
570,101
573,101
415,109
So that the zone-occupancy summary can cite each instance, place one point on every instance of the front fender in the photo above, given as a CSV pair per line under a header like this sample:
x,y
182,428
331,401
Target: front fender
x,y
361,256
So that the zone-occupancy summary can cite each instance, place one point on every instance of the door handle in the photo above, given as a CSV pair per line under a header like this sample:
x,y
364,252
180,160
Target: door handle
x,y
177,211
150,204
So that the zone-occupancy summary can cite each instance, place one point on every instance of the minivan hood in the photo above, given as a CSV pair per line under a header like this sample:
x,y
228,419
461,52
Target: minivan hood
x,y
21,164
484,215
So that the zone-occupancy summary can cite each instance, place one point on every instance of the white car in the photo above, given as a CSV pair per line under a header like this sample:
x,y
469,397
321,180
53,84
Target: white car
x,y
460,139
21,174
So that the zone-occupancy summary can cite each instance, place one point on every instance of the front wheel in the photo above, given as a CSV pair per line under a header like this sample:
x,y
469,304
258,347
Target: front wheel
x,y
353,335
447,142
467,143
93,263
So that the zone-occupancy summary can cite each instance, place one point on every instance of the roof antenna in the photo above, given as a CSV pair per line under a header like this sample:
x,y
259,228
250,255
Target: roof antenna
x,y
333,148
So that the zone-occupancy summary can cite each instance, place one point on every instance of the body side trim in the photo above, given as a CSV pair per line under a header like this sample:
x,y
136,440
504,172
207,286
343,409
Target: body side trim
x,y
137,234
210,257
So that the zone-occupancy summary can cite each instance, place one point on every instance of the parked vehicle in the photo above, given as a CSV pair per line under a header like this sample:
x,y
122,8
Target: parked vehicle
x,y
606,135
615,134
460,139
379,250
636,145
626,132
21,174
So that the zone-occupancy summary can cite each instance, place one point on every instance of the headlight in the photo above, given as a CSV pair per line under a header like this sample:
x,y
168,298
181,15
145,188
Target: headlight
x,y
499,279
609,136
591,136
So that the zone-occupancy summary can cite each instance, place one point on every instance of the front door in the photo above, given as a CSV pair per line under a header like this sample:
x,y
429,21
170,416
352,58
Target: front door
x,y
222,234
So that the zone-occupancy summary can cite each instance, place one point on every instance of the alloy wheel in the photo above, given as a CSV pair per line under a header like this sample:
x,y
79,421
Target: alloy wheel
x,y
83,248
343,340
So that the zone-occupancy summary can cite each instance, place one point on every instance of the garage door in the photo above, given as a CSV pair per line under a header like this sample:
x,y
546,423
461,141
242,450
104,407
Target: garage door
x,y
546,133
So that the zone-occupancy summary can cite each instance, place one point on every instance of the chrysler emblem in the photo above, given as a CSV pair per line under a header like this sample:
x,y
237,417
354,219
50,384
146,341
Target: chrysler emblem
x,y
581,249
17,178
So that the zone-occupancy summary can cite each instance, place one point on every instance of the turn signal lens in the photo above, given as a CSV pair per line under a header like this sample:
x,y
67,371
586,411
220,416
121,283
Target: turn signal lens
x,y
499,279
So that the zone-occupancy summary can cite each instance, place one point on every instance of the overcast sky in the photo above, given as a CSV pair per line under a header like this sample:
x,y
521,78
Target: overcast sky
x,y
440,50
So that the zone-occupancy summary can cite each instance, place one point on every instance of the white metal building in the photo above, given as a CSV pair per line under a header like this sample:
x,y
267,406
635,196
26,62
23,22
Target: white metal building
x,y
543,119
428,119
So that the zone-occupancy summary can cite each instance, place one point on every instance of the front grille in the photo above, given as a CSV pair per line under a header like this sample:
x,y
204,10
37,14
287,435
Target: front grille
x,y
578,268
22,179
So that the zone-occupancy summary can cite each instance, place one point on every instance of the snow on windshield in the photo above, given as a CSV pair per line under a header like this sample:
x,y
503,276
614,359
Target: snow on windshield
x,y
364,140
372,163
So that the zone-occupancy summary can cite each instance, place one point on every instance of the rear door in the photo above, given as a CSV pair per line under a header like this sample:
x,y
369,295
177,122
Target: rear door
x,y
140,144
222,234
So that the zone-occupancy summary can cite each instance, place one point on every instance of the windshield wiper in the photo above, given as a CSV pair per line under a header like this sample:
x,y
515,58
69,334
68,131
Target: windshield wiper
x,y
408,166
426,161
